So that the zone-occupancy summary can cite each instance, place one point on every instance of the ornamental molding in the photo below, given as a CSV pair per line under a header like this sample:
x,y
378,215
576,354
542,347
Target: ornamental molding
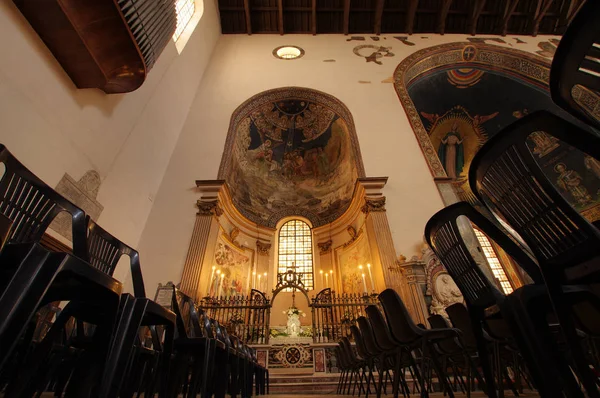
x,y
263,248
209,208
325,247
374,205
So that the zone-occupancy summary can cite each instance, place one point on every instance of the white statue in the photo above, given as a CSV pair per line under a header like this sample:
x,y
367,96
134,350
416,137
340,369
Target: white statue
x,y
293,323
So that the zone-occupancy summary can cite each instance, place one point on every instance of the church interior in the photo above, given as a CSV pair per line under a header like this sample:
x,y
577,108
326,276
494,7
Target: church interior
x,y
222,198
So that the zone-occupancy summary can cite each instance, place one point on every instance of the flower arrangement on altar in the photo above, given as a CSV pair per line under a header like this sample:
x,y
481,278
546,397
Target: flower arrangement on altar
x,y
294,311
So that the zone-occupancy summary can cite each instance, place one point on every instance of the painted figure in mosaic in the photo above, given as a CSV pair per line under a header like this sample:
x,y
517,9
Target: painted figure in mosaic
x,y
451,152
544,143
571,182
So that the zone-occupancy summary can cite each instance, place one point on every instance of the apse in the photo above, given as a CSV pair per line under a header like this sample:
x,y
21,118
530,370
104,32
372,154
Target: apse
x,y
472,104
291,151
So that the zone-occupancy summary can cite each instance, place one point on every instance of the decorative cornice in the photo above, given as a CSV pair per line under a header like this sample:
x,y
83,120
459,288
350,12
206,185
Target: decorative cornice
x,y
325,247
209,208
263,248
374,205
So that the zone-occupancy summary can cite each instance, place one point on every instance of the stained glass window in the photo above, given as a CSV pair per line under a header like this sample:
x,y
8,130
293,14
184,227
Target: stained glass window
x,y
493,261
185,10
295,250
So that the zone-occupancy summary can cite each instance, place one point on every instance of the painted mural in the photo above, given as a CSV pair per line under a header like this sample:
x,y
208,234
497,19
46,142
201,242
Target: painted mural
x,y
292,156
234,265
471,106
349,258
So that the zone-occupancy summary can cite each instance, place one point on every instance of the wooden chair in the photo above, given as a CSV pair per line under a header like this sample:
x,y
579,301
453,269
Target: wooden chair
x,y
392,353
135,311
363,352
488,307
411,337
31,276
575,71
195,349
505,176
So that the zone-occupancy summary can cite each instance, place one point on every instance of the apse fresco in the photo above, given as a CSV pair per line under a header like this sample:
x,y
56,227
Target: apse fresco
x,y
471,105
349,258
292,156
234,264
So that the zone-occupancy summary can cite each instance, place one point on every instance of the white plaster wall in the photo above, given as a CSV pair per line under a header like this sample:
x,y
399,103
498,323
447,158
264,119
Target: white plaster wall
x,y
243,66
53,127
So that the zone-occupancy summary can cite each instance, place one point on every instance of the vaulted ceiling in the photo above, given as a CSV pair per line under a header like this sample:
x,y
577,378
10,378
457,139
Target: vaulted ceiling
x,y
524,17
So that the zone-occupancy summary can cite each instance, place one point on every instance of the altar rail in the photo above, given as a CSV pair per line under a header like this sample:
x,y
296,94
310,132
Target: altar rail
x,y
332,315
246,317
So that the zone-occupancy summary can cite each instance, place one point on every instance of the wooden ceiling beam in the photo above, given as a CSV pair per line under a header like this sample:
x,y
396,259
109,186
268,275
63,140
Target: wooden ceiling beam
x,y
313,24
410,15
280,15
248,19
540,10
346,16
509,9
474,16
443,15
378,15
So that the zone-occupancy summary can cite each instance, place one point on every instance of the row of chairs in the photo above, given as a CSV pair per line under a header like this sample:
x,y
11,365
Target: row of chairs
x,y
209,361
555,320
393,345
96,345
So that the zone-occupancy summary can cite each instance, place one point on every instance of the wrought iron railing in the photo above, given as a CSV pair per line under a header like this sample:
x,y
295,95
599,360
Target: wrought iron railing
x,y
332,314
246,317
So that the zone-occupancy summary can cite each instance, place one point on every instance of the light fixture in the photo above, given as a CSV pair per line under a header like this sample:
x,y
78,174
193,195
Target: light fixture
x,y
288,52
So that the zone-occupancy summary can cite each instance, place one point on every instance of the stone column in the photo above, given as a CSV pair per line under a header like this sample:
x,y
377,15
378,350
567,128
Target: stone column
x,y
208,211
377,224
413,272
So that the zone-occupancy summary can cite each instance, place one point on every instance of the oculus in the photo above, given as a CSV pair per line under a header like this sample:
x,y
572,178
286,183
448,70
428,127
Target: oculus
x,y
288,52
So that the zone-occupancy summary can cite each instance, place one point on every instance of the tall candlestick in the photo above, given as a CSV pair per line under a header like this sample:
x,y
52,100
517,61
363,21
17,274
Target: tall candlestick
x,y
322,285
326,280
371,277
364,283
210,281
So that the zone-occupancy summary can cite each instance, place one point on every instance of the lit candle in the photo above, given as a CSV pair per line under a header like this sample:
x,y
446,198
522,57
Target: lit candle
x,y
220,283
217,281
210,281
259,285
254,280
326,280
321,272
332,280
371,277
266,281
364,283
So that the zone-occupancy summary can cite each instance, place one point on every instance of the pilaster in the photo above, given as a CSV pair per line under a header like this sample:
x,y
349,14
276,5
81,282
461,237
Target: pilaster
x,y
209,210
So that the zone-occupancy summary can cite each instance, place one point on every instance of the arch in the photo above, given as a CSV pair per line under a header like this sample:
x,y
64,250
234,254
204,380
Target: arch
x,y
298,255
525,66
297,287
291,151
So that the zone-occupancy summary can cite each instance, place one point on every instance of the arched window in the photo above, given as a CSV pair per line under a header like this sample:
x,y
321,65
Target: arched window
x,y
185,11
295,250
493,261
